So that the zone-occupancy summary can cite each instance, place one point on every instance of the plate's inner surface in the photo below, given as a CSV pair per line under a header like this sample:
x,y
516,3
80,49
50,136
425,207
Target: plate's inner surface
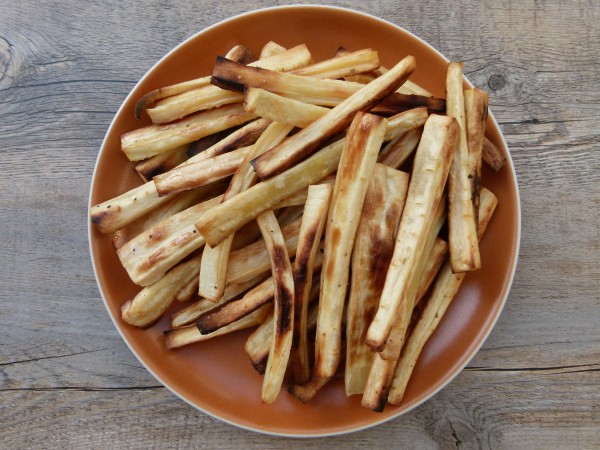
x,y
216,375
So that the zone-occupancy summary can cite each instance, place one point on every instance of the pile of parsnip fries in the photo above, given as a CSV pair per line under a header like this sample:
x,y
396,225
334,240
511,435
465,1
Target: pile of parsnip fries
x,y
273,198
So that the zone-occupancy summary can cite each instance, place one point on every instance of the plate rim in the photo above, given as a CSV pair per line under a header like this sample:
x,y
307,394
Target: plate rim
x,y
458,369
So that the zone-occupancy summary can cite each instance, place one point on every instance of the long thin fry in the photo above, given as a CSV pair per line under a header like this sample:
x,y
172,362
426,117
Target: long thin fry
x,y
149,255
396,152
313,222
356,166
371,256
208,97
430,171
444,290
492,155
152,301
190,176
476,112
283,285
212,276
462,231
155,139
308,140
161,163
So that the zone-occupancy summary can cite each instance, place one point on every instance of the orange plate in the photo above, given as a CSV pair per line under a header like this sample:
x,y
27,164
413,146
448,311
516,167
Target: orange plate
x,y
215,376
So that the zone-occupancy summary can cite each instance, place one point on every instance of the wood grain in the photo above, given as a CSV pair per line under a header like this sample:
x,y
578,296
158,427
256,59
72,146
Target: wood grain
x,y
67,379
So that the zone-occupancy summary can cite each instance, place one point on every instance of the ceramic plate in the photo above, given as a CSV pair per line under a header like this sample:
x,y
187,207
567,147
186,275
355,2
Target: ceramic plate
x,y
215,376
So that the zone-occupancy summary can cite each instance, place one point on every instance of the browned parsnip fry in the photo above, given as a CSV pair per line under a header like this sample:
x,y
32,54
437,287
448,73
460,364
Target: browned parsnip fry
x,y
155,139
234,213
191,313
462,231
174,205
201,173
253,259
313,222
430,171
492,155
382,370
259,342
209,97
308,140
152,301
190,334
115,213
358,159
395,152
444,290
373,248
188,292
476,112
149,168
341,66
238,53
293,112
437,256
149,255
212,276
283,315
271,49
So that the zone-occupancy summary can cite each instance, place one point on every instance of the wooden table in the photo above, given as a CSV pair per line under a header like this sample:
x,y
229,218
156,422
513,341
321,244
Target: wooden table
x,y
67,379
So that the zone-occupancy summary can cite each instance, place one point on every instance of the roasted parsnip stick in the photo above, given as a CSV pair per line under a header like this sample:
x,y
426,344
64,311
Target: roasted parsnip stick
x,y
492,155
395,152
161,163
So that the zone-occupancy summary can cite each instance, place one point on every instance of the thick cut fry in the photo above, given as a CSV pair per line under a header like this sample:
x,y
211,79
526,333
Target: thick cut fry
x,y
152,301
313,222
462,231
492,155
209,97
382,369
308,140
476,112
190,334
212,277
444,290
201,173
323,92
396,152
155,139
174,205
283,286
193,312
373,248
358,159
234,213
149,168
238,53
271,49
148,256
430,171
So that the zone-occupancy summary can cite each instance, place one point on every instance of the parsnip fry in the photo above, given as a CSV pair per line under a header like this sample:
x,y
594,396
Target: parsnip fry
x,y
232,214
155,139
357,162
492,155
462,231
191,313
308,140
430,171
271,49
148,256
212,277
373,248
201,173
396,152
476,112
190,334
209,97
444,290
311,229
152,301
149,168
283,285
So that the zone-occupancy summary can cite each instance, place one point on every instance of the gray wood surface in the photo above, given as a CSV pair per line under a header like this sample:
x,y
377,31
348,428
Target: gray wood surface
x,y
66,378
